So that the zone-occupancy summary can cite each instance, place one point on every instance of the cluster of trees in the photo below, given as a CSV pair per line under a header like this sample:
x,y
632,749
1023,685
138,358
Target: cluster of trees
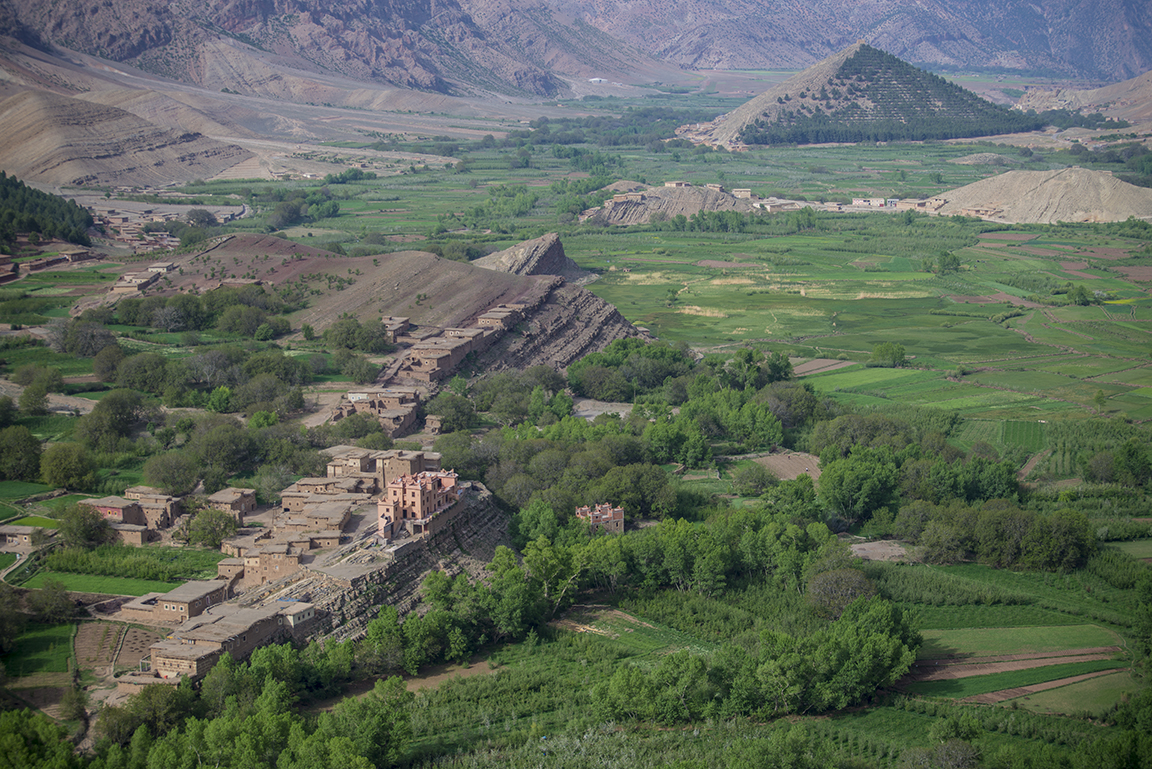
x,y
27,210
535,395
302,206
999,533
351,334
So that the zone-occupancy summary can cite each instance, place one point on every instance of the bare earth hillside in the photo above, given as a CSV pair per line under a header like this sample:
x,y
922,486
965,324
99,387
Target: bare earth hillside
x,y
1068,195
1129,100
60,140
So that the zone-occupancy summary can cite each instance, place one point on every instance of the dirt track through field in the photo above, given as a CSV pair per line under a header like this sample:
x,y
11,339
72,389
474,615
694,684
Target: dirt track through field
x,y
953,668
1023,691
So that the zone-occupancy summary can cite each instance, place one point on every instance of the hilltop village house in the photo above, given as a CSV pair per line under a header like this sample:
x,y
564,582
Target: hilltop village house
x,y
421,504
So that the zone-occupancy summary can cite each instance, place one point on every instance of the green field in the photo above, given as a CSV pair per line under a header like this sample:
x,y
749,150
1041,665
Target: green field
x,y
87,583
36,520
1137,548
959,688
1095,696
6,560
20,489
40,649
982,642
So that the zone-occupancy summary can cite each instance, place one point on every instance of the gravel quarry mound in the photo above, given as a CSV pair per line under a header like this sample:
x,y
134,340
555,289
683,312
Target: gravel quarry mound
x,y
1045,197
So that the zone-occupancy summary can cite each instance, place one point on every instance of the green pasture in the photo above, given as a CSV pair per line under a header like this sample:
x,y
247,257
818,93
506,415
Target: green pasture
x,y
1079,594
87,583
6,560
989,642
1137,548
40,649
959,688
1095,695
21,489
36,520
995,616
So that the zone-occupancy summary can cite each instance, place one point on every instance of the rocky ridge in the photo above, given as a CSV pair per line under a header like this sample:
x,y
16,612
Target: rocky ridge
x,y
1128,100
542,256
663,203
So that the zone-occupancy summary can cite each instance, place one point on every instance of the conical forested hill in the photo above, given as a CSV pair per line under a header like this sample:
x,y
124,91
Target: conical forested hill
x,y
874,96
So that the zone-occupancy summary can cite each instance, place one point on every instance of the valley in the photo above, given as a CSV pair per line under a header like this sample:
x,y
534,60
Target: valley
x,y
719,453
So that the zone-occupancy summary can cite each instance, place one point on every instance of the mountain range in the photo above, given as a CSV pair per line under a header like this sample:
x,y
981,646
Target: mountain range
x,y
546,48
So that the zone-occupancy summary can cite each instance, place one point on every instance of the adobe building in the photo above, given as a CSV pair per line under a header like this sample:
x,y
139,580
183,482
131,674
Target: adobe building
x,y
421,504
134,535
270,562
177,605
603,518
16,537
159,509
236,502
117,510
194,647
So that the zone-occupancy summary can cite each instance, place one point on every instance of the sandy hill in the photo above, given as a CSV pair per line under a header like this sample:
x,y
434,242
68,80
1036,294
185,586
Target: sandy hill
x,y
1129,100
56,139
662,203
1068,195
542,256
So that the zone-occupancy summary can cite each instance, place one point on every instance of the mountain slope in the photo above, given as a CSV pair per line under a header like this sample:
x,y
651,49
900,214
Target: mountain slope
x,y
1108,39
60,140
860,94
506,46
1129,100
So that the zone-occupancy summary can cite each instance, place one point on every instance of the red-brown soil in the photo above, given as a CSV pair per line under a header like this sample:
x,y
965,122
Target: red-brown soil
x,y
953,668
790,465
1136,273
96,644
1072,268
1100,252
723,265
818,365
136,643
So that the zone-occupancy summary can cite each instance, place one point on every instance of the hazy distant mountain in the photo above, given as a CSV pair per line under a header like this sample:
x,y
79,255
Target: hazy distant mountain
x,y
543,47
1106,39
243,45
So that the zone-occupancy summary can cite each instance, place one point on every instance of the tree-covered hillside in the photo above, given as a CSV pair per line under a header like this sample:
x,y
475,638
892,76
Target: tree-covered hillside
x,y
24,210
875,96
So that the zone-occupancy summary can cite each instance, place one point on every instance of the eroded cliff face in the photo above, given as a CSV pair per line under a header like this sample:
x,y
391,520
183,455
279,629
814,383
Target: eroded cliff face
x,y
570,323
541,256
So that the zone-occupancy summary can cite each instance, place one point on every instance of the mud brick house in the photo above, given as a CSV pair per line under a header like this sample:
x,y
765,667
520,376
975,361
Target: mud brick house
x,y
236,502
421,504
189,600
159,509
603,517
117,510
